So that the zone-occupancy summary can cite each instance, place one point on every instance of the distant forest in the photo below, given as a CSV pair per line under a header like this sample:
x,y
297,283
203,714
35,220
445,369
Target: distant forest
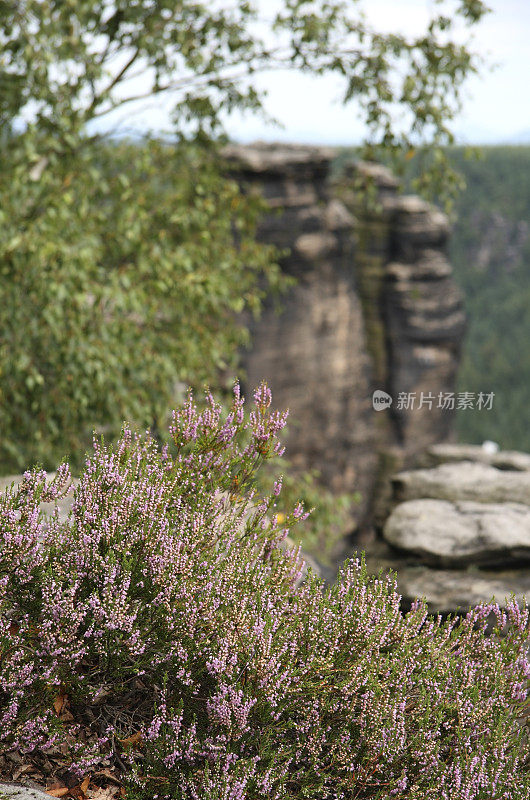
x,y
490,253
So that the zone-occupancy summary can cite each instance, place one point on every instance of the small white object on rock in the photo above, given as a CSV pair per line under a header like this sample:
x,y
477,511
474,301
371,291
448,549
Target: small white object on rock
x,y
490,447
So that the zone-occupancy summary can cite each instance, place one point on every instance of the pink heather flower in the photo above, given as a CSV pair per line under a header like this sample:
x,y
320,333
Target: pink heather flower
x,y
277,486
263,396
166,593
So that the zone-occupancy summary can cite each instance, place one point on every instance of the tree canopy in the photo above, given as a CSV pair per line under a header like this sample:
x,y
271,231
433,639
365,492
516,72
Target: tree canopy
x,y
125,264
66,63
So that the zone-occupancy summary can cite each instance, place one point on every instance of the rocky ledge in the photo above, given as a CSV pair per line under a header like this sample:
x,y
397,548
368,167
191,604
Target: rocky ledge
x,y
459,534
459,530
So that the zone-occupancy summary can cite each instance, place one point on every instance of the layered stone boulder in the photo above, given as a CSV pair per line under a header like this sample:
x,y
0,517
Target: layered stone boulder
x,y
455,534
413,309
459,531
464,480
312,348
488,453
449,591
425,320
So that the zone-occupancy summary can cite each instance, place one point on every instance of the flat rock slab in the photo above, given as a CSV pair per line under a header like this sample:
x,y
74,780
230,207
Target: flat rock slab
x,y
280,159
502,459
21,792
446,534
465,480
449,591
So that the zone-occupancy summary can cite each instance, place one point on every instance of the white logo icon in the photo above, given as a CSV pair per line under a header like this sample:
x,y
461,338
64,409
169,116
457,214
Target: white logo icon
x,y
381,400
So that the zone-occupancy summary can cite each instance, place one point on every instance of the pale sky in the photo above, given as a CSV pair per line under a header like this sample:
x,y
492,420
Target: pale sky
x,y
496,108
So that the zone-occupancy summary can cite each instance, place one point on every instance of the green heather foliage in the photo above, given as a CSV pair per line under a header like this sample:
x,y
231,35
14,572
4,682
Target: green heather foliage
x,y
122,267
166,618
322,533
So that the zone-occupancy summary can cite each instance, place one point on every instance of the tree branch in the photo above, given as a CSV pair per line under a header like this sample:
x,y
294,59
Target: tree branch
x,y
99,98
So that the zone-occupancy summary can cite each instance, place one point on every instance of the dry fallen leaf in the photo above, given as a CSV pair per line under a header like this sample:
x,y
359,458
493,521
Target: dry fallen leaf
x,y
62,792
131,740
59,703
79,789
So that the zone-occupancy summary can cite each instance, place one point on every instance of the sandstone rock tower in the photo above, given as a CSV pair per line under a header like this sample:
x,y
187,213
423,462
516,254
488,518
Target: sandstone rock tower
x,y
374,307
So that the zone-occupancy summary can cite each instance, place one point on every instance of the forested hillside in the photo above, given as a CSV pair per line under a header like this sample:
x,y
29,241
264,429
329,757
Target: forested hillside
x,y
490,251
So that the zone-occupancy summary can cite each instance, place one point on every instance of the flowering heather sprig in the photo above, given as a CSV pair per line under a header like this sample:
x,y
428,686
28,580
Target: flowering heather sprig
x,y
165,612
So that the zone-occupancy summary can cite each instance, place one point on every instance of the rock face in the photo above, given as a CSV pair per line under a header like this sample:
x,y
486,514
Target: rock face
x,y
313,353
464,480
413,310
21,792
374,307
459,532
449,590
449,453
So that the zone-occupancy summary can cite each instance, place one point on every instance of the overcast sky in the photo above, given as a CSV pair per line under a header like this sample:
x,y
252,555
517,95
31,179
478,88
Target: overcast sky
x,y
496,108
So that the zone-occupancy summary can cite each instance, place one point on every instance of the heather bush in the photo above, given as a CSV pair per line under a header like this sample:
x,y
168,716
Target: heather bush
x,y
160,636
